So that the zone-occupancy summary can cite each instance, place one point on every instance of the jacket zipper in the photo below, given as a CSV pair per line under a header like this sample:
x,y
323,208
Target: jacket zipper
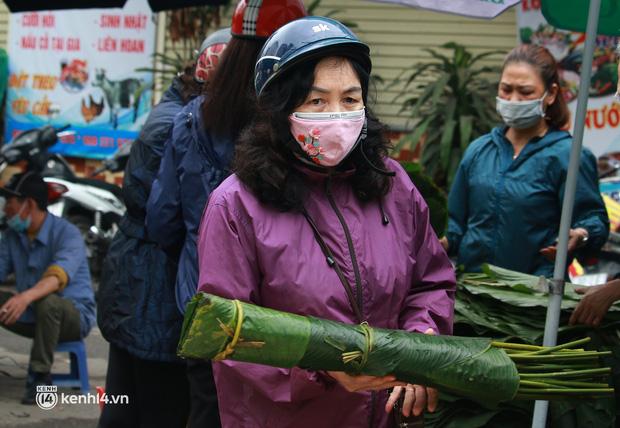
x,y
329,257
499,191
358,278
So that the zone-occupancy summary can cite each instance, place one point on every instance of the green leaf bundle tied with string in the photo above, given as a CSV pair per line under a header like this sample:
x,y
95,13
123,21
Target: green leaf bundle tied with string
x,y
478,368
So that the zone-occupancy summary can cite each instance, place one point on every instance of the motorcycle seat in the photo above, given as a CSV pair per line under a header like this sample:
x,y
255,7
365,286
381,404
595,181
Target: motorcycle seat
x,y
112,188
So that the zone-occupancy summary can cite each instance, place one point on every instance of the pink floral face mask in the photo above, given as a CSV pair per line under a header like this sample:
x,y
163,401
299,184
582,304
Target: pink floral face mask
x,y
327,138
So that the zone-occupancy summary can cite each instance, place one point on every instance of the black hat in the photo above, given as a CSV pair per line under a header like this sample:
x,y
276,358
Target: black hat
x,y
26,185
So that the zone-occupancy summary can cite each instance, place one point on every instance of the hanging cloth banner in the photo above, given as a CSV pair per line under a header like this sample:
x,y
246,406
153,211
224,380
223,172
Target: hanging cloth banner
x,y
602,125
487,9
78,68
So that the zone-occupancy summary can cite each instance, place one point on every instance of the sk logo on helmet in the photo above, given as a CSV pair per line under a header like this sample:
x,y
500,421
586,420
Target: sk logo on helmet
x,y
319,28
47,396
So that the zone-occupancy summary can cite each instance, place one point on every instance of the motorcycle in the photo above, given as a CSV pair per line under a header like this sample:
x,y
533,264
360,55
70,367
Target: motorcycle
x,y
94,206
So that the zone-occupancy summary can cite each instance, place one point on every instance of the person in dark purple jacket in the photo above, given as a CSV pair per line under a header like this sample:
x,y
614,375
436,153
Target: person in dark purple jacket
x,y
318,221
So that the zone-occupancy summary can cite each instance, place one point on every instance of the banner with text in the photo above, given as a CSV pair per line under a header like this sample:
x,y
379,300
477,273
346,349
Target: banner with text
x,y
78,68
602,130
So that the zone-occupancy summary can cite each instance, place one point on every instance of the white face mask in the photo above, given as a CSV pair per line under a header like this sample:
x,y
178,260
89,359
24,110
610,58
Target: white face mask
x,y
521,114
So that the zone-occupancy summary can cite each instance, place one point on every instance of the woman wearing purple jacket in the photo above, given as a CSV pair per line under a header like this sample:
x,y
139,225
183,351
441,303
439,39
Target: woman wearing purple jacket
x,y
318,221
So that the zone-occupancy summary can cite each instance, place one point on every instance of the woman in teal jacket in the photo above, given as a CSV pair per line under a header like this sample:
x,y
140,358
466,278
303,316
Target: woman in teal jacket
x,y
506,200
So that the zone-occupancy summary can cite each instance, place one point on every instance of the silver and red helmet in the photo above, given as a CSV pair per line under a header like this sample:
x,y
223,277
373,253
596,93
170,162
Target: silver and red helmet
x,y
209,54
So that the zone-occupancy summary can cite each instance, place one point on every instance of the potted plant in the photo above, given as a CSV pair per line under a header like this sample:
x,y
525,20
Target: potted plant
x,y
451,100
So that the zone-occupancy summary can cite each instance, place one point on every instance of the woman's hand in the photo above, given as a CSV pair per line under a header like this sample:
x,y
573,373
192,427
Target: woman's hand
x,y
365,383
576,239
417,398
595,303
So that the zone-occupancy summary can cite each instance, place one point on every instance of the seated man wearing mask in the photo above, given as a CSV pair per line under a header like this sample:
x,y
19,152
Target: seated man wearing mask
x,y
54,300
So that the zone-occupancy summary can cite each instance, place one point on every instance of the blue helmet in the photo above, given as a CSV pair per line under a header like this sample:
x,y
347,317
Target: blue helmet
x,y
303,39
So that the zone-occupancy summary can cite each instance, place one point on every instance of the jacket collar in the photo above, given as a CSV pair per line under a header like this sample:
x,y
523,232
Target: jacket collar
x,y
42,235
498,135
316,172
174,91
553,136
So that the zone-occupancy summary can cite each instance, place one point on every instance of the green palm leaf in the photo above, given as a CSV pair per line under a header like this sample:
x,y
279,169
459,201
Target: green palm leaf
x,y
412,140
465,131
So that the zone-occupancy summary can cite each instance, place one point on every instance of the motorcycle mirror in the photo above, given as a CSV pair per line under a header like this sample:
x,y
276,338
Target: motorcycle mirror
x,y
48,136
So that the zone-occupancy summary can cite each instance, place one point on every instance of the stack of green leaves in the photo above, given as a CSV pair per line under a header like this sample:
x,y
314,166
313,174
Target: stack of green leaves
x,y
477,368
511,307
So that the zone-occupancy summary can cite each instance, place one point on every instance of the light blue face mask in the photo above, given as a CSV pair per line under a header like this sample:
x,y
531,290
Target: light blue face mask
x,y
521,114
17,223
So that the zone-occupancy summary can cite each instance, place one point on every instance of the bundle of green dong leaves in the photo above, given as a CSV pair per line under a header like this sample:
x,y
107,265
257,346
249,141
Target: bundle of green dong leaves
x,y
511,307
480,369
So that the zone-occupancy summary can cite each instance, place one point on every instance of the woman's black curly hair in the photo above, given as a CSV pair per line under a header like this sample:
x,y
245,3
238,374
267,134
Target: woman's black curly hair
x,y
265,160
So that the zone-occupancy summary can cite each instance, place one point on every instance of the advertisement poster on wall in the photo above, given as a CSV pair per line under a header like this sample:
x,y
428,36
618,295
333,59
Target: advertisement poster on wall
x,y
602,131
78,68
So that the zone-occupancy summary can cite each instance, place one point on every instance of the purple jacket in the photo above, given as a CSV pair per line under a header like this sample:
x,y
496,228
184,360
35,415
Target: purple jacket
x,y
255,253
